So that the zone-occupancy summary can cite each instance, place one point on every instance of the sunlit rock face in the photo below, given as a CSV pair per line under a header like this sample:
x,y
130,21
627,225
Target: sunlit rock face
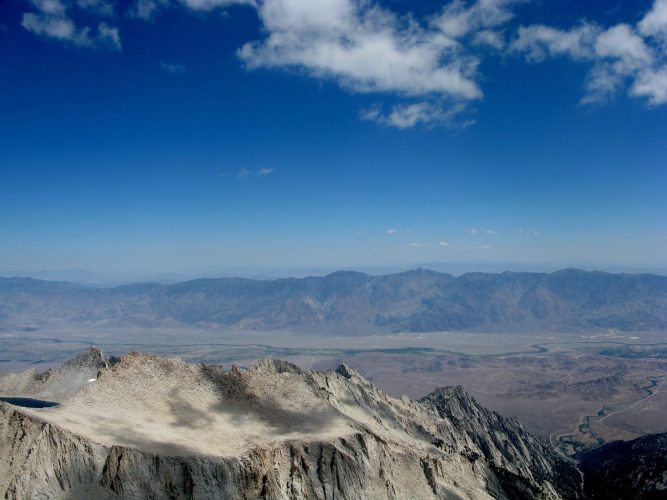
x,y
155,427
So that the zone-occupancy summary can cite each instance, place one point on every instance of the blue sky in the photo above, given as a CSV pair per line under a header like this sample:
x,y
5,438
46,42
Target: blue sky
x,y
183,135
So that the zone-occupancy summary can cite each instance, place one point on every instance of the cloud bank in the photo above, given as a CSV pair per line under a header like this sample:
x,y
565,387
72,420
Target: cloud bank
x,y
366,48
428,68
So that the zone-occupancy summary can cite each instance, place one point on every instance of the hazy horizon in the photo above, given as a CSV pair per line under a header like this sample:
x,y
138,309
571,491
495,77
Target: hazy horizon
x,y
266,273
503,131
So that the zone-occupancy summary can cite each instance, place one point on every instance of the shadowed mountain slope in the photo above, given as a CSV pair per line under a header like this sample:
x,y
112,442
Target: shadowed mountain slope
x,y
625,470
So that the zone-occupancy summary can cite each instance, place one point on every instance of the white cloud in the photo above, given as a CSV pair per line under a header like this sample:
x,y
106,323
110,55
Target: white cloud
x,y
262,172
428,114
52,19
620,42
98,7
206,5
419,245
459,18
429,65
621,56
49,26
490,38
172,68
443,244
367,48
363,47
394,231
148,9
480,247
491,232
654,23
652,85
538,42
526,232
472,230
107,36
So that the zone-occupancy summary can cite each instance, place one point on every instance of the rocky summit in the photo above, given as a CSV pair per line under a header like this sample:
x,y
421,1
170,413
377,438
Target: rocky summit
x,y
149,427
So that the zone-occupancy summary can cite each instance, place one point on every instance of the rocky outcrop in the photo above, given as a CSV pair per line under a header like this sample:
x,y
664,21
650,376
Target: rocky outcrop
x,y
151,427
58,384
523,460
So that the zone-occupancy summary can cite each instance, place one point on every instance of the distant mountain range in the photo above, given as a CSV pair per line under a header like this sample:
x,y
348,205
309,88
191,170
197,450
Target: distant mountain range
x,y
352,302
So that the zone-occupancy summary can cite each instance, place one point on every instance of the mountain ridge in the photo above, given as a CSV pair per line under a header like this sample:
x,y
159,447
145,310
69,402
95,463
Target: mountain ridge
x,y
352,302
158,427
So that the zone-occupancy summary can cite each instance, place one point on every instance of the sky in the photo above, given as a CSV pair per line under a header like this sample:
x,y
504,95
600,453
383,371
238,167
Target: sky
x,y
188,136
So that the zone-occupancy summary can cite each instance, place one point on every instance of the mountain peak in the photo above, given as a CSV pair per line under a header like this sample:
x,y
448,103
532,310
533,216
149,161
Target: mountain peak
x,y
275,431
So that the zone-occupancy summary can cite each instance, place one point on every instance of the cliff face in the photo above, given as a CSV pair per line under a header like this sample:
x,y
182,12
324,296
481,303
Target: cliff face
x,y
157,428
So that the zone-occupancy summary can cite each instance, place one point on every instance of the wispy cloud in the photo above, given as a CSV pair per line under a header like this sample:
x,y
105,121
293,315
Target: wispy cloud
x,y
427,114
480,247
98,7
528,232
172,68
262,172
621,56
395,231
148,9
490,38
208,5
53,19
491,232
472,230
419,245
443,244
